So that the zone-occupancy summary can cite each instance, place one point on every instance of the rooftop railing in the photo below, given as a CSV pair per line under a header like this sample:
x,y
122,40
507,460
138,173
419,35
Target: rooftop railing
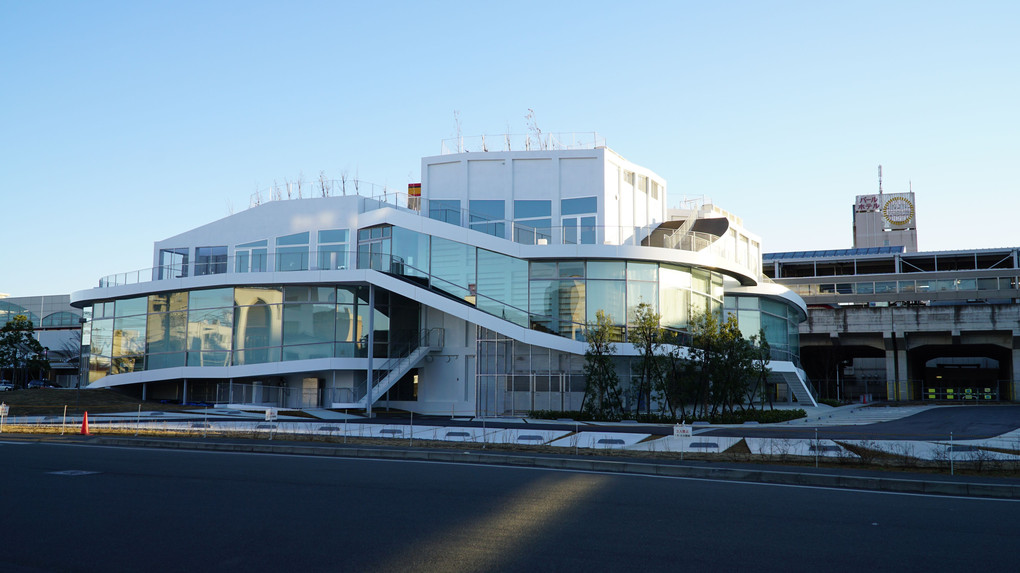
x,y
523,142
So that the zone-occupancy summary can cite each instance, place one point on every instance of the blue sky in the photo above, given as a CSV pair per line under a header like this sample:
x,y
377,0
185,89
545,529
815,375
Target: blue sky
x,y
123,123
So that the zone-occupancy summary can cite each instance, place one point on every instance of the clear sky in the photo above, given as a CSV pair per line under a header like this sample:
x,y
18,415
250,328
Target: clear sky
x,y
123,123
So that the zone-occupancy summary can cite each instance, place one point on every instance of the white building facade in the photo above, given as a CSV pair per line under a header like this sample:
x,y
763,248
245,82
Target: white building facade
x,y
468,295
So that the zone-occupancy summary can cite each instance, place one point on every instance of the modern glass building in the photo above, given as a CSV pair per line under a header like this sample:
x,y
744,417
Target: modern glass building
x,y
57,327
466,295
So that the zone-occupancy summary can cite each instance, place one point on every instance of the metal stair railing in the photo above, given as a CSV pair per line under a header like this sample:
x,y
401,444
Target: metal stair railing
x,y
389,372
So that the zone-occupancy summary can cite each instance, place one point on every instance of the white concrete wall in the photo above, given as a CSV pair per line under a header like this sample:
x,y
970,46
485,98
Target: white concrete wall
x,y
548,175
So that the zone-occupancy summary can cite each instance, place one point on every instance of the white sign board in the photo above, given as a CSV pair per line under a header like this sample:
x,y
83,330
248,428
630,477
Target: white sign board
x,y
682,431
271,414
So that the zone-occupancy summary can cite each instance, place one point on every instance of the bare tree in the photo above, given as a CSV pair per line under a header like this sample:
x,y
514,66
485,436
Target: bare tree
x,y
460,137
324,184
343,182
533,129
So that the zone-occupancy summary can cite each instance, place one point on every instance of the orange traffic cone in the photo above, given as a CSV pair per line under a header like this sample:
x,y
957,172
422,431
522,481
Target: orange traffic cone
x,y
85,425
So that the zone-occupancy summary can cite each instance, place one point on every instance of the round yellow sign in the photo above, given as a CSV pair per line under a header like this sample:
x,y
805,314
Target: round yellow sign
x,y
898,211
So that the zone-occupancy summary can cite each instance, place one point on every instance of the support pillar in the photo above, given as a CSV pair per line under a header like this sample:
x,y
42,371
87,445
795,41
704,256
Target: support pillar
x,y
371,351
184,392
1015,386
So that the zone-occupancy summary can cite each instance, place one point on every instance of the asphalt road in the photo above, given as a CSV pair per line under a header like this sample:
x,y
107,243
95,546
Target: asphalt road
x,y
169,510
964,422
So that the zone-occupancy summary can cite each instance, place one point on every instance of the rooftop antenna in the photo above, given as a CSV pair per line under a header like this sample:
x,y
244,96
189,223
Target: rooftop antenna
x,y
910,185
880,180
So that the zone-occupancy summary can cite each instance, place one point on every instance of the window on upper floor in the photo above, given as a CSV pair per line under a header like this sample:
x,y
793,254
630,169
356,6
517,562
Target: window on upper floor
x,y
578,220
210,260
251,257
173,263
488,216
446,210
292,252
532,221
333,248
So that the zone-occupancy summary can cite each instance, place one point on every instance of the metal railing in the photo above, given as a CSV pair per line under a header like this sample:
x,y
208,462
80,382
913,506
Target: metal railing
x,y
534,141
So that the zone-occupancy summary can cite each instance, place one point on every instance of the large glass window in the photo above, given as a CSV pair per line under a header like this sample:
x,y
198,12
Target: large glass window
x,y
607,270
131,306
487,216
257,324
446,210
251,257
410,253
558,307
374,248
674,296
453,268
166,330
503,286
210,260
607,296
211,298
638,293
350,330
578,218
210,327
289,256
309,322
532,221
128,343
333,246
173,263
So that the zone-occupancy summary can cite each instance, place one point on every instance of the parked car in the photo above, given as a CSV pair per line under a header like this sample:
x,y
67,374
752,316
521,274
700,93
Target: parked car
x,y
6,385
41,384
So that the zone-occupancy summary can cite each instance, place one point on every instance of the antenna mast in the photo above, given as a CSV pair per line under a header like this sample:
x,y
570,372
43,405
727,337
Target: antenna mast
x,y
880,180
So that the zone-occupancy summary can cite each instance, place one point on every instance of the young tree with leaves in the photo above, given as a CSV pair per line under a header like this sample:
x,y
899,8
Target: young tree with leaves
x,y
646,335
762,357
20,351
678,373
602,395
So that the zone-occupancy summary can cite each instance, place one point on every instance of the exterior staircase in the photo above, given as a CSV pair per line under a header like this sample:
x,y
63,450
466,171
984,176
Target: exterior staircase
x,y
799,386
392,370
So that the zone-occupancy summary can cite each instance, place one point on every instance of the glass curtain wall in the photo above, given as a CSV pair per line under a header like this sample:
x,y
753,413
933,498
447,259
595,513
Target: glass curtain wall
x,y
779,321
257,324
165,330
210,327
246,325
129,335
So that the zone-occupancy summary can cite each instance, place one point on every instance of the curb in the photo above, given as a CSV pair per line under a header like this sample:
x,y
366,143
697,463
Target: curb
x,y
892,485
